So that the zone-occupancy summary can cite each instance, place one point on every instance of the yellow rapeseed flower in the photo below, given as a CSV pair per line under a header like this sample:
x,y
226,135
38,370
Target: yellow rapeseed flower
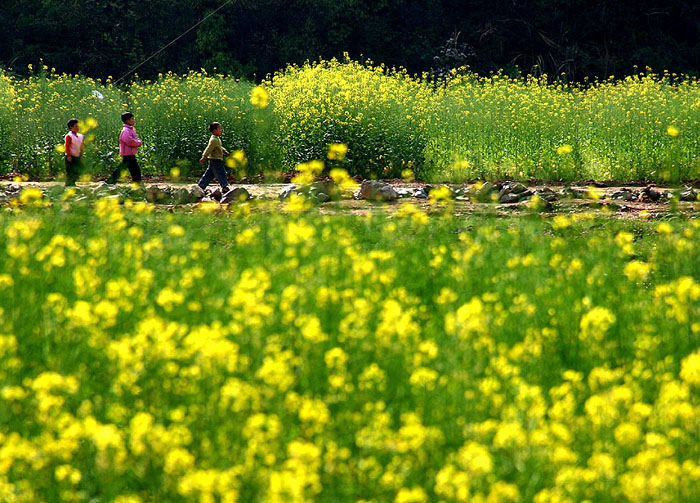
x,y
690,369
413,495
296,203
636,270
337,151
259,97
442,193
664,228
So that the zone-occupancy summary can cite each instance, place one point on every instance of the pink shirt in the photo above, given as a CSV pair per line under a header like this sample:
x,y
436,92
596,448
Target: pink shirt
x,y
129,141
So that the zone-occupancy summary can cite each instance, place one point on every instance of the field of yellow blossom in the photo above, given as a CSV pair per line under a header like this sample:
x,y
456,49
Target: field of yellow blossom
x,y
644,127
254,355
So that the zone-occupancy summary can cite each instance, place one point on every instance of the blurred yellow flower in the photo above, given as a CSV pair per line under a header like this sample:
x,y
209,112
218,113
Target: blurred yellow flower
x,y
337,151
296,203
442,193
636,270
664,228
259,97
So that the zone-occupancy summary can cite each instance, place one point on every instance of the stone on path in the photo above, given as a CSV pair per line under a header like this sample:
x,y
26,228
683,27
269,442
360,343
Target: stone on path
x,y
509,198
286,192
188,194
376,190
236,195
513,192
159,194
482,193
625,194
650,195
546,194
422,192
688,194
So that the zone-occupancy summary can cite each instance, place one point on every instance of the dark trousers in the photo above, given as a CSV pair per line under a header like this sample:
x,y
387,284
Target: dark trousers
x,y
128,162
216,169
74,168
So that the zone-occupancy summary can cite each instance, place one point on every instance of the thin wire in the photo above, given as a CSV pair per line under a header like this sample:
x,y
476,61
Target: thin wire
x,y
173,41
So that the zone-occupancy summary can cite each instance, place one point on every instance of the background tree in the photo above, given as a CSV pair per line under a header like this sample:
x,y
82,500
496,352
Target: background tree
x,y
251,38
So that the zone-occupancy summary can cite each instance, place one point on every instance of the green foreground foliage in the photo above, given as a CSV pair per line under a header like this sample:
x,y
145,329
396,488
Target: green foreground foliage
x,y
295,357
468,127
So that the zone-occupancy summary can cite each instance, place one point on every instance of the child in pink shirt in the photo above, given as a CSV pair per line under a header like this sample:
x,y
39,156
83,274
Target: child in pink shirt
x,y
129,143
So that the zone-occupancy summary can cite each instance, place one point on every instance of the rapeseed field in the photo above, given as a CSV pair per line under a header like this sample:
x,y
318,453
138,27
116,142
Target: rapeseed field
x,y
643,127
253,354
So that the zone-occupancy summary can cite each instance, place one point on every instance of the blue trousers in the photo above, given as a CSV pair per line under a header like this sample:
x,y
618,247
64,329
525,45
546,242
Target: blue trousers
x,y
216,169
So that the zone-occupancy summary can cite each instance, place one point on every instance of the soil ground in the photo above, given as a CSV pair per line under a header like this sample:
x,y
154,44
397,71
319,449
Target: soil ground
x,y
606,204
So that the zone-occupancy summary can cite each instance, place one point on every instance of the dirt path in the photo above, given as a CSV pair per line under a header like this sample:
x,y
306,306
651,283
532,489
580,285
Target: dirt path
x,y
623,201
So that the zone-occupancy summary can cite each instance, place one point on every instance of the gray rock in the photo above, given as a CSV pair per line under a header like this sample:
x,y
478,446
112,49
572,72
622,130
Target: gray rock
x,y
404,192
159,194
312,191
187,195
235,196
327,187
625,195
509,198
460,192
576,193
288,191
513,192
420,193
376,190
13,188
650,195
482,194
511,188
135,193
546,194
688,194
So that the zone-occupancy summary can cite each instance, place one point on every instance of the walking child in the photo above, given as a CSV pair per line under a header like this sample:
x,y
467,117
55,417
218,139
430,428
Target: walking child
x,y
215,154
75,146
129,143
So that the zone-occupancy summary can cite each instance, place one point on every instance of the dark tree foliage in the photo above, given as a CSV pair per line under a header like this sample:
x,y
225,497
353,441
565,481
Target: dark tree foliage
x,y
252,38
